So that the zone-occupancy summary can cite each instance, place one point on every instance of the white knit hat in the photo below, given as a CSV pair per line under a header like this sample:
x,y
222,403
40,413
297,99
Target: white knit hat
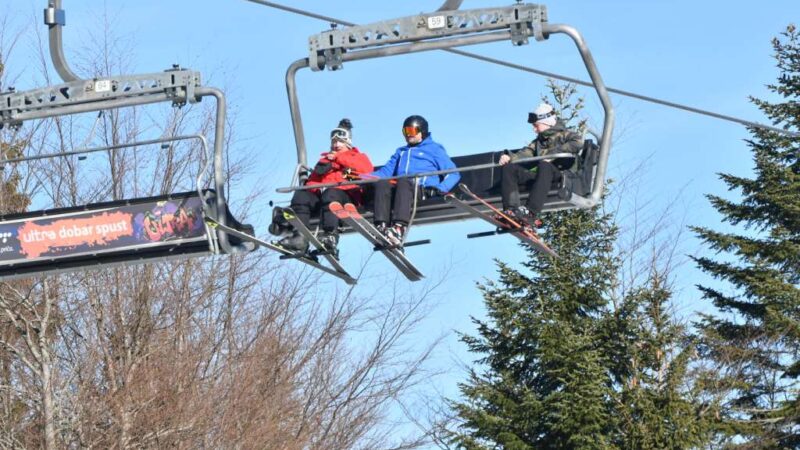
x,y
543,114
343,133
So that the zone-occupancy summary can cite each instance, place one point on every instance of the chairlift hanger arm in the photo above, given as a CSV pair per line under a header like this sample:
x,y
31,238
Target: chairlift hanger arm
x,y
55,19
450,5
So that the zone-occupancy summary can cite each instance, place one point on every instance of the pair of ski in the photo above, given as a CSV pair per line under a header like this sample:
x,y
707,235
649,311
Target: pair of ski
x,y
311,258
393,252
499,219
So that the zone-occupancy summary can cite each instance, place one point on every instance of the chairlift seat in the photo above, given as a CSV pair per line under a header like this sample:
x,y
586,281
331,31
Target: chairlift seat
x,y
486,184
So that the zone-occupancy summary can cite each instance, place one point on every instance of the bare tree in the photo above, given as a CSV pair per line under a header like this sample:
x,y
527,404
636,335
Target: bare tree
x,y
230,351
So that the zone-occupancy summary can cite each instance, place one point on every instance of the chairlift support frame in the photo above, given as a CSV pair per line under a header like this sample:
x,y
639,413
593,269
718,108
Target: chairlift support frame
x,y
176,85
444,30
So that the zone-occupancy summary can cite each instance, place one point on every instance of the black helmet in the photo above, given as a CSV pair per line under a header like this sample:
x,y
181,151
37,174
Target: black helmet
x,y
418,122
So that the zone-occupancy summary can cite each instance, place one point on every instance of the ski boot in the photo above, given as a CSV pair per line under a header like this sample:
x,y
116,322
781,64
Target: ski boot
x,y
329,240
295,242
522,215
396,234
279,224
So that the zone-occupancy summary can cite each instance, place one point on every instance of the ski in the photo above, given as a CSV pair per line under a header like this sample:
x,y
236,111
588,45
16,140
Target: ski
x,y
350,215
320,249
311,260
508,225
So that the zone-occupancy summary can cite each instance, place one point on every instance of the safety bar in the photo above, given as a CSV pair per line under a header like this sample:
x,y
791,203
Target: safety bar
x,y
286,190
199,137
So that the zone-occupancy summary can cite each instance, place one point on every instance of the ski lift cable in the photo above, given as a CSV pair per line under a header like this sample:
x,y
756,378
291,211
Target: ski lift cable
x,y
523,68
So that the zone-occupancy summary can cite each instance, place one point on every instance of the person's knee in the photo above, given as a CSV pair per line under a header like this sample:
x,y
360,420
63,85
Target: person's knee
x,y
548,167
382,186
300,198
332,195
510,171
404,182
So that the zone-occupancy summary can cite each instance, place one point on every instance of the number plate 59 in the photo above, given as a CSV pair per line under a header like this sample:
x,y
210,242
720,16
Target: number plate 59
x,y
435,22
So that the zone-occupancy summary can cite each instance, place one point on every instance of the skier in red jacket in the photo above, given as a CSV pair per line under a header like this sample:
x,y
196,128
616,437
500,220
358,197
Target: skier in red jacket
x,y
341,163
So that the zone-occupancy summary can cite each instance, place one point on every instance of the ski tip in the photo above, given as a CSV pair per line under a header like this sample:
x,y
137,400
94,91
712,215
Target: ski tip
x,y
350,207
338,210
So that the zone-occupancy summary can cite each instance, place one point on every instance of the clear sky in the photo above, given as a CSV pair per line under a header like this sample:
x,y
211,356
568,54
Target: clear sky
x,y
709,54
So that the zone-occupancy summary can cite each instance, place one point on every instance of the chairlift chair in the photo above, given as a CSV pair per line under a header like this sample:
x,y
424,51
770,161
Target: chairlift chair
x,y
175,85
448,29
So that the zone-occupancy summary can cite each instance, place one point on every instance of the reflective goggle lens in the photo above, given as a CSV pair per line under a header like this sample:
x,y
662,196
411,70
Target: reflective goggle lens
x,y
341,134
410,131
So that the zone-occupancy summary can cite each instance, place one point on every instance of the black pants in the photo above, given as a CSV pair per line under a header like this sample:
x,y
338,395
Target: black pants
x,y
305,203
516,177
394,203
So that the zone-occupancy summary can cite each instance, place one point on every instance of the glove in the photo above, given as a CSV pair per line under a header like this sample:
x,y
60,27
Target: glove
x,y
322,168
430,192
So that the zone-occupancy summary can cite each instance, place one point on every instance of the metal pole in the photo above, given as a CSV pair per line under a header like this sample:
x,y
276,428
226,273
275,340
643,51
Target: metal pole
x,y
219,173
84,151
54,19
602,92
294,109
450,5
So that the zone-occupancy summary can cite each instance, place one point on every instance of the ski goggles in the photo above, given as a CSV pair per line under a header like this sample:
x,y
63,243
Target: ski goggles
x,y
411,131
340,134
533,117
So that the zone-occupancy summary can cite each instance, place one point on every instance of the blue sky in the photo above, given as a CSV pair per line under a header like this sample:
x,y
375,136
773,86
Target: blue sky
x,y
710,55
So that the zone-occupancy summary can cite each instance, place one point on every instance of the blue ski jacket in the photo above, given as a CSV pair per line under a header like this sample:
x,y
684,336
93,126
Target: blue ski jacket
x,y
427,156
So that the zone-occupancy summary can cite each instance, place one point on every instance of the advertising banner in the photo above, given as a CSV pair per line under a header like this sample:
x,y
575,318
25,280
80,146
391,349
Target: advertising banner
x,y
110,229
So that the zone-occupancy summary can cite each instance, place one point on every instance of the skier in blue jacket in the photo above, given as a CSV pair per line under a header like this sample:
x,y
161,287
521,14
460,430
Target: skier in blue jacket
x,y
394,201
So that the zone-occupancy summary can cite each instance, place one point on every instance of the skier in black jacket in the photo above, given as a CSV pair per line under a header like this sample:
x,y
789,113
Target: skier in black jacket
x,y
551,137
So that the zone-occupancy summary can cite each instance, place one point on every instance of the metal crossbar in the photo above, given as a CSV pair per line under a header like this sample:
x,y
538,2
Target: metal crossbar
x,y
286,190
176,85
441,24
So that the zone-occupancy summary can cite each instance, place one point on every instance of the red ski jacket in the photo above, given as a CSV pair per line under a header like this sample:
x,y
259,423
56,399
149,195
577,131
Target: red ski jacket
x,y
347,165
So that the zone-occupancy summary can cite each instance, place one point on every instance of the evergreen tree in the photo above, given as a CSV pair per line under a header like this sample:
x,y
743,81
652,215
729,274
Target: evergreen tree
x,y
755,340
565,365
544,385
651,355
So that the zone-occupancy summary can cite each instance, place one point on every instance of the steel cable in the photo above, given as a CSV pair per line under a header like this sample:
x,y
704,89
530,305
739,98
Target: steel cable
x,y
499,62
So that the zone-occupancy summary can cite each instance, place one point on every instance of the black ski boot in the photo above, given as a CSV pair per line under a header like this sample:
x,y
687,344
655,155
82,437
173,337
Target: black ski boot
x,y
330,239
295,242
279,224
520,214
